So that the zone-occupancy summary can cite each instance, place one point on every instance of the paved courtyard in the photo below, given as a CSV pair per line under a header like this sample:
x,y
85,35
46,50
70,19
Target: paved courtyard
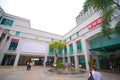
x,y
40,73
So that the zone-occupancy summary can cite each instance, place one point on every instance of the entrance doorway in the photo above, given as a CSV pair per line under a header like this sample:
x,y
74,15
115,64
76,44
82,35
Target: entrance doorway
x,y
113,60
8,60
34,59
50,61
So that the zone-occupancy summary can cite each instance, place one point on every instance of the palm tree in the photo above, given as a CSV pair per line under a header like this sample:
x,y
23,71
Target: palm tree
x,y
108,9
56,45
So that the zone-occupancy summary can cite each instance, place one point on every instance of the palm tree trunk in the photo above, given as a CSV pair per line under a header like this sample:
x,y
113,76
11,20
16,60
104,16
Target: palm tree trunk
x,y
56,55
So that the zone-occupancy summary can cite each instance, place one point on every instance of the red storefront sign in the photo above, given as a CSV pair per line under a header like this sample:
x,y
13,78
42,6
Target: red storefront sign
x,y
95,23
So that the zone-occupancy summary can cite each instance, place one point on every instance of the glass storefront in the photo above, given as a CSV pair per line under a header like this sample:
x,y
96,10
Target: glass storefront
x,y
112,62
8,60
81,61
35,60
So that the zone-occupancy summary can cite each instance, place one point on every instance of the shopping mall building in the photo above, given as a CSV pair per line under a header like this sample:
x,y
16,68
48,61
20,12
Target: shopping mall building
x,y
20,43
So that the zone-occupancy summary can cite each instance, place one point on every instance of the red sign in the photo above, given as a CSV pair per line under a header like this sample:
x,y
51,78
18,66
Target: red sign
x,y
95,23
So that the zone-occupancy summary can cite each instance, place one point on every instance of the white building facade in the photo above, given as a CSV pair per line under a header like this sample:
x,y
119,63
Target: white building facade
x,y
20,43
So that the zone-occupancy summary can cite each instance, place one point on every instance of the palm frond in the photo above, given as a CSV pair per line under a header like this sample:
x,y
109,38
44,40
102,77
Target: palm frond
x,y
117,28
86,5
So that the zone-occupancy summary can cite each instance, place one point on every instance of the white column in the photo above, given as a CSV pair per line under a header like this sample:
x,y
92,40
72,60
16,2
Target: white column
x,y
68,54
63,55
75,54
85,52
21,41
2,48
97,62
3,42
45,59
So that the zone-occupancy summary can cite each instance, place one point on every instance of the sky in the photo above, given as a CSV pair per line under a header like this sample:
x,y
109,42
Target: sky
x,y
54,16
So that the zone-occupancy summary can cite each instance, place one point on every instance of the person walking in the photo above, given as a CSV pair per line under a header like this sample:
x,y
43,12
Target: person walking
x,y
95,74
28,65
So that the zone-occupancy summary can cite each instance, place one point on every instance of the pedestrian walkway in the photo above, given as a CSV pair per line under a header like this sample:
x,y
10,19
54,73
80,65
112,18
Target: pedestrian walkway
x,y
39,73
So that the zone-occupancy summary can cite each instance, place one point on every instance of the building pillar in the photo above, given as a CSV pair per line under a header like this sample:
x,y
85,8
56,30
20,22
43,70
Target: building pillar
x,y
2,48
63,55
45,59
21,41
97,63
85,52
75,54
3,42
17,59
68,55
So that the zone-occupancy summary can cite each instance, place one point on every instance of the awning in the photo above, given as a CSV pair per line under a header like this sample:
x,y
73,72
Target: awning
x,y
110,48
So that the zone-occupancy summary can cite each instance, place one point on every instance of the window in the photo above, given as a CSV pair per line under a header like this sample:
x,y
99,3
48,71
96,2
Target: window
x,y
65,40
71,49
7,30
17,33
51,51
65,51
77,33
70,38
60,51
13,44
0,17
79,47
52,39
7,22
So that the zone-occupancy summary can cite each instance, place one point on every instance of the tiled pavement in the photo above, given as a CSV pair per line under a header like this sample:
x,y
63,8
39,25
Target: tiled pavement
x,y
40,73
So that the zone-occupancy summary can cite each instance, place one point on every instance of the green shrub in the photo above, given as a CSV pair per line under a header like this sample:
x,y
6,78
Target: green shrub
x,y
59,64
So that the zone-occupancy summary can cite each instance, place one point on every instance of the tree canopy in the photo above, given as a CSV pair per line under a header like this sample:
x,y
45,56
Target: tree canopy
x,y
57,44
108,10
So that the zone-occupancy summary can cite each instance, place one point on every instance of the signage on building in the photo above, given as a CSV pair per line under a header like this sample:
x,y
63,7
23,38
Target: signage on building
x,y
95,23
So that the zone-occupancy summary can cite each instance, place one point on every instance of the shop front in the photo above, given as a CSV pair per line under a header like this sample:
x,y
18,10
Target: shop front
x,y
106,52
35,60
8,60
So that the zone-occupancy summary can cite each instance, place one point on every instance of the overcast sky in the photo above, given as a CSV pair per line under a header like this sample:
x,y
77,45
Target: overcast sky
x,y
55,16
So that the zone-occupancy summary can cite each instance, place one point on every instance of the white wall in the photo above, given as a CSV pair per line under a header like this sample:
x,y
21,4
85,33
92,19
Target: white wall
x,y
34,47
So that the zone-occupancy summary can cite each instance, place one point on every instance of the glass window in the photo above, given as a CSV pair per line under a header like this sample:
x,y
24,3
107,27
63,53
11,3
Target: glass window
x,y
65,40
7,22
13,44
65,51
51,51
60,51
52,39
7,30
70,38
0,17
77,33
71,49
81,61
17,33
79,47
